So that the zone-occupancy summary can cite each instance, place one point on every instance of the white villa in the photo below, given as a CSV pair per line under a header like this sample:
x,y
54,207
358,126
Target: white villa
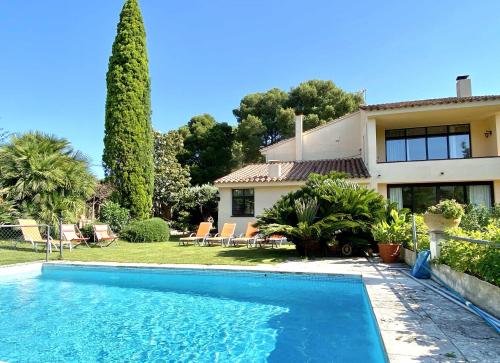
x,y
415,153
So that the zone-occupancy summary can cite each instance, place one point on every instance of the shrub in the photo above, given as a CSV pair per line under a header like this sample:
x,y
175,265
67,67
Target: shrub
x,y
328,208
114,215
479,260
449,208
88,230
149,230
397,230
478,217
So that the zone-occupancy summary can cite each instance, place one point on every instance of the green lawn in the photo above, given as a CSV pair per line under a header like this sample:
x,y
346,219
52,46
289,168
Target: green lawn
x,y
161,252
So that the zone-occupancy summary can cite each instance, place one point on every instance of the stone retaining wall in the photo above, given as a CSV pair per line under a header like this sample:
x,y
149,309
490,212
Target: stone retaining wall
x,y
481,293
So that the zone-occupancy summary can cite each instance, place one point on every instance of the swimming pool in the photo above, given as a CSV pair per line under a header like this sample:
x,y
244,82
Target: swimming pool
x,y
87,314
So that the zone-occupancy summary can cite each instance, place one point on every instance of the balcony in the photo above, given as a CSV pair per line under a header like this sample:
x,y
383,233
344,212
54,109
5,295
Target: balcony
x,y
435,171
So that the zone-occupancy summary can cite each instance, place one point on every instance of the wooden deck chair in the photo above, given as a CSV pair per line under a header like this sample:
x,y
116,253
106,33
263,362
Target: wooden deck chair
x,y
250,237
31,234
200,236
225,236
103,235
72,234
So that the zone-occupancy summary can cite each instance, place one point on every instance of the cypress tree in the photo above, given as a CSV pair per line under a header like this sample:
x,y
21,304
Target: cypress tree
x,y
128,138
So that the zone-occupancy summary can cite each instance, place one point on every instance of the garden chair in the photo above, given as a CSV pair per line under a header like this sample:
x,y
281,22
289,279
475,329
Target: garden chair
x,y
224,237
31,234
103,235
200,236
250,237
276,240
72,234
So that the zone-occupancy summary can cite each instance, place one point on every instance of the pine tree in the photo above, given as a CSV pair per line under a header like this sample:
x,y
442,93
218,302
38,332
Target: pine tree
x,y
128,139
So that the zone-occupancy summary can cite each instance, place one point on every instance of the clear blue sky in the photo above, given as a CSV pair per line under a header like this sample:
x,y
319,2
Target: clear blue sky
x,y
205,55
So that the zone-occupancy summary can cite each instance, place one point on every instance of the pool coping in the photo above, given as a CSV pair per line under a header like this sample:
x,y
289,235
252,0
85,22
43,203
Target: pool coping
x,y
407,334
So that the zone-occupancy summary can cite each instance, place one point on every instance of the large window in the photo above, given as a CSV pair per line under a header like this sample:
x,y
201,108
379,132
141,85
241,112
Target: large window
x,y
243,202
417,197
428,143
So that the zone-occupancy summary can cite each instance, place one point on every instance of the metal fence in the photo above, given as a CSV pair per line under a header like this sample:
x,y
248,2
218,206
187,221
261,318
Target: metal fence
x,y
29,237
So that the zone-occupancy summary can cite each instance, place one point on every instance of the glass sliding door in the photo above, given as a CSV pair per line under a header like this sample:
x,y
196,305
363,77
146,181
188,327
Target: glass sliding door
x,y
396,196
418,197
423,197
479,195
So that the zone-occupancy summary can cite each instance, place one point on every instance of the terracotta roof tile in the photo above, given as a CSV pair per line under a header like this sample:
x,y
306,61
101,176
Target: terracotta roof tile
x,y
429,102
296,170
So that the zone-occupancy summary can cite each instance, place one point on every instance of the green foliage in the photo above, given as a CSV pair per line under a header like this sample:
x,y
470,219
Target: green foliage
x,y
321,101
8,212
478,217
345,211
250,133
114,215
449,208
149,230
482,261
402,232
43,176
128,142
198,203
171,178
208,149
270,109
394,231
268,117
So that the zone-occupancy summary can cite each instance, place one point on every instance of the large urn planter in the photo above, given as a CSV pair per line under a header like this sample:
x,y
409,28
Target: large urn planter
x,y
389,252
437,222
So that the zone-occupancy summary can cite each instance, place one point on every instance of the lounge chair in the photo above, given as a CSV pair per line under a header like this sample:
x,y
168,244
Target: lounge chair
x,y
200,236
72,234
224,237
250,237
31,234
103,235
276,240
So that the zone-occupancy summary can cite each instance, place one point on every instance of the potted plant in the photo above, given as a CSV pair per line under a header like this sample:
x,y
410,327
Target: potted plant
x,y
390,235
446,214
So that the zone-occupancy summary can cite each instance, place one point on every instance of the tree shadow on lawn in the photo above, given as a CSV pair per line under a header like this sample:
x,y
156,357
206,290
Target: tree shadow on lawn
x,y
20,248
259,255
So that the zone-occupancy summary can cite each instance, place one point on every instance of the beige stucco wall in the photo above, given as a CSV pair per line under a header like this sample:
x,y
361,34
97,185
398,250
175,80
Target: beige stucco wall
x,y
284,151
496,190
480,144
338,139
265,197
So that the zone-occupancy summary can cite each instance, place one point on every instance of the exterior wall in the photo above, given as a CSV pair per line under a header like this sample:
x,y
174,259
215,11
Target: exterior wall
x,y
284,151
337,139
481,145
496,190
437,171
265,197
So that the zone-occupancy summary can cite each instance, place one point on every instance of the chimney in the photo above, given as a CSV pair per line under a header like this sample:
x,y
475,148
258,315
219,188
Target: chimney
x,y
298,137
464,86
274,169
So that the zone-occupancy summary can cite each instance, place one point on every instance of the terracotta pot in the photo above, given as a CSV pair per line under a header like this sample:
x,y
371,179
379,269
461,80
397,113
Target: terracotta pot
x,y
389,252
437,222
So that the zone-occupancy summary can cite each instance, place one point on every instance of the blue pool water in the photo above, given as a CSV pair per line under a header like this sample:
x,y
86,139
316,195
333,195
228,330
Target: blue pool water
x,y
90,314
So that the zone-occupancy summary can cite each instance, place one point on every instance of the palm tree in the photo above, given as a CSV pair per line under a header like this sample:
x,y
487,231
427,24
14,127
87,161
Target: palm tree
x,y
44,176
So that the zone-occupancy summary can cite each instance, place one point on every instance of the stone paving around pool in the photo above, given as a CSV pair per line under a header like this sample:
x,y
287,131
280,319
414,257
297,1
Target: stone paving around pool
x,y
416,324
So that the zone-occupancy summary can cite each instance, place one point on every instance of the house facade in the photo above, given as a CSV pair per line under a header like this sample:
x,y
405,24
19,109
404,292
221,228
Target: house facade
x,y
414,153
